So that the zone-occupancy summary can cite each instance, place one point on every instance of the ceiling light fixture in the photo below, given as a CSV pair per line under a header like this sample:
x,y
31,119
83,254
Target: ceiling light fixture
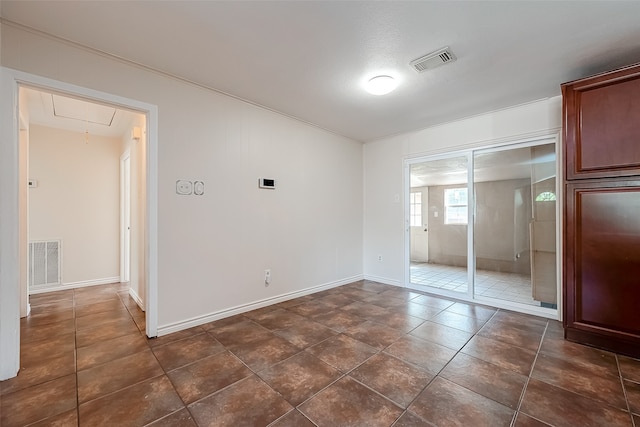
x,y
381,85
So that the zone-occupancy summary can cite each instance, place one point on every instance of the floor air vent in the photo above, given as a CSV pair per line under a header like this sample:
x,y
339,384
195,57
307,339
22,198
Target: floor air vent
x,y
44,263
433,60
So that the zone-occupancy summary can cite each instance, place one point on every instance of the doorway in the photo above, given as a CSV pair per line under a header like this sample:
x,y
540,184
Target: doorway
x,y
125,217
419,218
13,211
441,183
78,198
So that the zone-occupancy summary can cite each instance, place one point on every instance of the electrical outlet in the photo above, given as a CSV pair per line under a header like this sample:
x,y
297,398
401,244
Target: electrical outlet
x,y
379,258
267,277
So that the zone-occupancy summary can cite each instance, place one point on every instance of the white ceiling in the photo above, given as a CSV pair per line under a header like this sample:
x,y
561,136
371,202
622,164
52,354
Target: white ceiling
x,y
309,59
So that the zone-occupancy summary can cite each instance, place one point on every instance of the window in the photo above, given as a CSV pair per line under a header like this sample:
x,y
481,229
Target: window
x,y
415,209
546,196
455,206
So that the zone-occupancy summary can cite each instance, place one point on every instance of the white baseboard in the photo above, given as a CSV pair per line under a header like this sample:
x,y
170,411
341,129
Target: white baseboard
x,y
384,280
136,298
73,285
210,317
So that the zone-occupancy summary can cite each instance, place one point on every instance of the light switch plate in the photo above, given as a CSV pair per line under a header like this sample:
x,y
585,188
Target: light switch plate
x,y
184,187
198,188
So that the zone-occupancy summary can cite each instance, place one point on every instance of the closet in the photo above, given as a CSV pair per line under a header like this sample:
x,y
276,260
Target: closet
x,y
601,141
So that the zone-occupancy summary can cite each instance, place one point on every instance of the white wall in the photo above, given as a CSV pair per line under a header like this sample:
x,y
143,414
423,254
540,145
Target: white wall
x,y
213,249
77,200
384,162
138,184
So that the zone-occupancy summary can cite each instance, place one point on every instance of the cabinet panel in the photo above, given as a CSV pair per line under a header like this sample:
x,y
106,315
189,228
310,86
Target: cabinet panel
x,y
602,125
602,260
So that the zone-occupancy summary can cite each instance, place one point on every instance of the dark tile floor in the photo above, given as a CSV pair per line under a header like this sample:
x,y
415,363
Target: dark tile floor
x,y
363,354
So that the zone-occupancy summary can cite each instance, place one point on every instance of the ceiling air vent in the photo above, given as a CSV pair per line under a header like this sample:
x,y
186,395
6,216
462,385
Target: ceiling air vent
x,y
433,60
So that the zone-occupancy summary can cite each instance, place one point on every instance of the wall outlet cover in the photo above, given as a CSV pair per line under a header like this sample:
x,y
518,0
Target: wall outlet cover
x,y
184,187
198,188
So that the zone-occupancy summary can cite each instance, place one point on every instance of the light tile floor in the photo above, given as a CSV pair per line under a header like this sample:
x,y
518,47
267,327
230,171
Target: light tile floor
x,y
493,284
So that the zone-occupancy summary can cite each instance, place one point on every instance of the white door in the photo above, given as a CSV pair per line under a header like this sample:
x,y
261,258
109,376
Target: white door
x,y
419,226
125,215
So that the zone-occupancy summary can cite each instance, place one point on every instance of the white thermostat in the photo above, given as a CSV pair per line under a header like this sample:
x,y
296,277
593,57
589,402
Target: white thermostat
x,y
267,183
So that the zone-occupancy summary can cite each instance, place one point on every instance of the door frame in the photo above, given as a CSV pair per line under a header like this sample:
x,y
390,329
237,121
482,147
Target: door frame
x,y
549,137
468,154
424,223
125,216
11,214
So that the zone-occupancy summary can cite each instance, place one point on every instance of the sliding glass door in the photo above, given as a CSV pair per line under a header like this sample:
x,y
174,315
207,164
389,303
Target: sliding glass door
x,y
485,227
438,240
514,229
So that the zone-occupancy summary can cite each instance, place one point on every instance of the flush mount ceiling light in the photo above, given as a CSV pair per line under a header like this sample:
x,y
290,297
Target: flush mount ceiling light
x,y
381,85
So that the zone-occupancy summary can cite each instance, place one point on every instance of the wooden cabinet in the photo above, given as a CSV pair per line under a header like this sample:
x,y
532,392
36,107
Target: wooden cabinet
x,y
601,283
602,125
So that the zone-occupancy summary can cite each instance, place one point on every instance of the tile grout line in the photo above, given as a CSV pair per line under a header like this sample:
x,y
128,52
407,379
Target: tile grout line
x,y
164,373
256,373
295,409
130,385
526,384
186,406
624,391
75,371
166,416
447,364
144,337
50,380
75,357
120,389
346,374
343,375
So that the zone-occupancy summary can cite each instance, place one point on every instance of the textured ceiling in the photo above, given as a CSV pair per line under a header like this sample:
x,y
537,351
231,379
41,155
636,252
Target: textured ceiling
x,y
309,59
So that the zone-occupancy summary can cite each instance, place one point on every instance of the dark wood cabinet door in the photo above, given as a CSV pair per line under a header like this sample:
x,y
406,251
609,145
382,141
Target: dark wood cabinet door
x,y
602,125
602,264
